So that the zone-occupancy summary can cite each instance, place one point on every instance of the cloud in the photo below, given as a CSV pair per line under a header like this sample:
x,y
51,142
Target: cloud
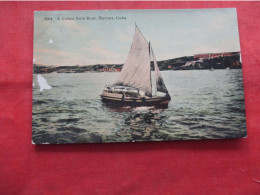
x,y
93,54
124,37
53,57
52,52
72,24
101,55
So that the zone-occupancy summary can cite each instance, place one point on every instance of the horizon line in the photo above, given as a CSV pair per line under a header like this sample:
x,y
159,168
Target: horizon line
x,y
124,62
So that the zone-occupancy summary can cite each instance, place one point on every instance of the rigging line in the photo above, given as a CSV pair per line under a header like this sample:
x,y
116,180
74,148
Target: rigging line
x,y
150,49
154,71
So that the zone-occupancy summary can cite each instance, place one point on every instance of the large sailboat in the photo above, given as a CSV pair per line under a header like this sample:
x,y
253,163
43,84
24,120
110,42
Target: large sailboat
x,y
134,87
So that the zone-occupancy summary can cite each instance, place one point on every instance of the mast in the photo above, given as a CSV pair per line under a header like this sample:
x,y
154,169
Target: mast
x,y
150,67
149,49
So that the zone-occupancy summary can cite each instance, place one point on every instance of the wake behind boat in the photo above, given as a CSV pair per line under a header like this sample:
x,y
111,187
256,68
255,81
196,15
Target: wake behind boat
x,y
134,85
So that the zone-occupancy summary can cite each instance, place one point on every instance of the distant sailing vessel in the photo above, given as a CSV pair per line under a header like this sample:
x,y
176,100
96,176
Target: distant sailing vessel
x,y
134,85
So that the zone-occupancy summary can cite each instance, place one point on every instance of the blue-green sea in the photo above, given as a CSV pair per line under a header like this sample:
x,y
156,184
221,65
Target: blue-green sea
x,y
205,105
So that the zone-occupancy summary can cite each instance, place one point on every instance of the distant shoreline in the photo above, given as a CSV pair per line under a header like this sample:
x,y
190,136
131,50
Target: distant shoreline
x,y
227,60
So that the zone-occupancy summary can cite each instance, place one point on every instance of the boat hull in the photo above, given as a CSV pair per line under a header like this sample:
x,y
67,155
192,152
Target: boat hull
x,y
119,100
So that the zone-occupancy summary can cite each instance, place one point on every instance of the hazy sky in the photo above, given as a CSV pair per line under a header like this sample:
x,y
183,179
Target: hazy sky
x,y
173,33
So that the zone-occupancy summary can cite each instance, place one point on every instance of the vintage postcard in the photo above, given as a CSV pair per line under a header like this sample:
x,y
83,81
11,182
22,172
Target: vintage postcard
x,y
137,75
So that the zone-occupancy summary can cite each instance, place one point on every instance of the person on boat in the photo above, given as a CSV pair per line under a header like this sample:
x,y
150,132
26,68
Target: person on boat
x,y
123,96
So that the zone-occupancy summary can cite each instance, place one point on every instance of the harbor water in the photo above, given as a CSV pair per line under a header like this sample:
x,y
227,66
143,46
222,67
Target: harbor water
x,y
205,105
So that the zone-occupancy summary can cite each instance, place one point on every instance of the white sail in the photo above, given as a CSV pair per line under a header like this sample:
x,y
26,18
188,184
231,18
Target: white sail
x,y
43,83
160,86
136,71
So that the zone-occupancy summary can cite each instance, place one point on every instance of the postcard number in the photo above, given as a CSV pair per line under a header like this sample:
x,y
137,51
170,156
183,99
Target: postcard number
x,y
48,18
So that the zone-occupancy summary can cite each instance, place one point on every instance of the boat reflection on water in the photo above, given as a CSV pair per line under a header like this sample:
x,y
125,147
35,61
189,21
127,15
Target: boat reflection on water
x,y
141,123
121,107
145,125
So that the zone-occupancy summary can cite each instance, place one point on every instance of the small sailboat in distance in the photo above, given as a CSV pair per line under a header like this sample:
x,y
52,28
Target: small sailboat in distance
x,y
133,87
